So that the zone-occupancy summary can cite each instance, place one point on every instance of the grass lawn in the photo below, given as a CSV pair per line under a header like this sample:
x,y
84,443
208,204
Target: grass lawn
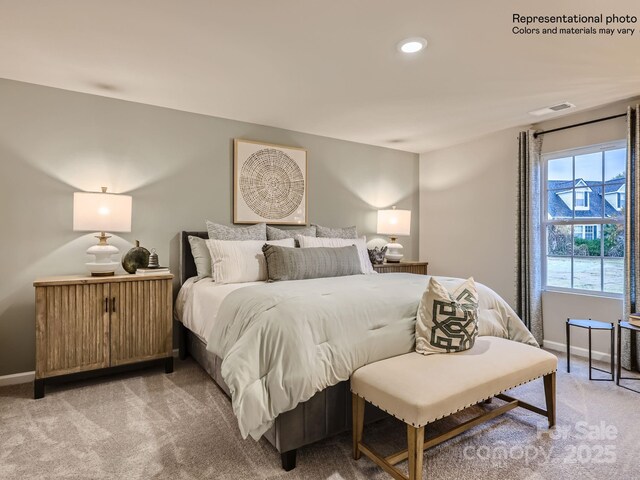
x,y
586,273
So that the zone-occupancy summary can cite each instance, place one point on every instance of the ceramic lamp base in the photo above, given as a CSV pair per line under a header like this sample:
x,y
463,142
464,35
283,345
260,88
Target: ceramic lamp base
x,y
103,266
394,252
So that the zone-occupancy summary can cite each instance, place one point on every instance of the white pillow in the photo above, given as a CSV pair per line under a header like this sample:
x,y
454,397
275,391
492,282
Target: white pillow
x,y
360,243
239,261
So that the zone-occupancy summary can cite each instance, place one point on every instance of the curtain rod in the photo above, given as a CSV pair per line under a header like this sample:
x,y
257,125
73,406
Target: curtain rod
x,y
544,132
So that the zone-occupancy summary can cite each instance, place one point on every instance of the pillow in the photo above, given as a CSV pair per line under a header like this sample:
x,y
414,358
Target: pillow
x,y
201,256
327,232
238,261
303,263
447,322
274,233
222,232
490,323
360,243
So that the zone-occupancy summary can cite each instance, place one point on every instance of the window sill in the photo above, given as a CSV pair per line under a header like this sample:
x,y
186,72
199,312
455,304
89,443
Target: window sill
x,y
585,293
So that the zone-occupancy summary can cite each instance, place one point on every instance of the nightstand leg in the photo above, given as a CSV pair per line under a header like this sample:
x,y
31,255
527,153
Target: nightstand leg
x,y
38,389
168,365
619,353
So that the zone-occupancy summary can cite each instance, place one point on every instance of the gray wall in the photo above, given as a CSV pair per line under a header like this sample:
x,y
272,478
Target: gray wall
x,y
178,168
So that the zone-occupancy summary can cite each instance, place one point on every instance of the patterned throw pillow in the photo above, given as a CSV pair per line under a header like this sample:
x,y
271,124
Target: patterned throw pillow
x,y
447,322
274,233
222,232
328,232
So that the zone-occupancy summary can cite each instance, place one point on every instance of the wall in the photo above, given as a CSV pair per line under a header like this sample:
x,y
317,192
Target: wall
x,y
178,168
468,213
467,210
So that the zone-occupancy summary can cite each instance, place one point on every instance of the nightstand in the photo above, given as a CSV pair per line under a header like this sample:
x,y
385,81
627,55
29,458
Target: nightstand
x,y
419,268
89,324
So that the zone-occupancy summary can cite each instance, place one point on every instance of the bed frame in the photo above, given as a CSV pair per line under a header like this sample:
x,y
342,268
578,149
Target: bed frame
x,y
325,414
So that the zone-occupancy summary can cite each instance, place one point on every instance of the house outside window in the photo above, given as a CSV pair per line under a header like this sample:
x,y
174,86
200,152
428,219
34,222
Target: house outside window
x,y
583,219
582,199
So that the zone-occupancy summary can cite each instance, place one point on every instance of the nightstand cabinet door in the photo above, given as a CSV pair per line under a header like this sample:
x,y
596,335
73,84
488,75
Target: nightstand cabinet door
x,y
141,323
72,329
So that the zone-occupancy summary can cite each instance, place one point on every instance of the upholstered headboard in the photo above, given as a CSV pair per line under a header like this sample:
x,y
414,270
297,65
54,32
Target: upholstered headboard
x,y
187,264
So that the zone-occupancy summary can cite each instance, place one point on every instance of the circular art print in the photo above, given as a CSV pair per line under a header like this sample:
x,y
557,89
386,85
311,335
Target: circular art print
x,y
272,184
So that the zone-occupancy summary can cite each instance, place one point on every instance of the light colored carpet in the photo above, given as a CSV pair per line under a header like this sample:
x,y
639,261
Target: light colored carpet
x,y
181,426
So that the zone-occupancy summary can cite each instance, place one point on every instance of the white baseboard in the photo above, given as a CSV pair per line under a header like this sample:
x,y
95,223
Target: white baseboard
x,y
26,377
578,351
17,378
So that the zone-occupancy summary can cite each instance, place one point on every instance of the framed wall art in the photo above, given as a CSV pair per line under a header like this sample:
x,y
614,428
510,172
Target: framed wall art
x,y
270,183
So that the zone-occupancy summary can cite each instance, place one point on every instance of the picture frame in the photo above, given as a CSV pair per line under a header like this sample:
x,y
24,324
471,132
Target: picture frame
x,y
269,183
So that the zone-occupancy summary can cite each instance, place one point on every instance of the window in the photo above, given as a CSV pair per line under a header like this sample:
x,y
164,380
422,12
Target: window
x,y
582,200
583,219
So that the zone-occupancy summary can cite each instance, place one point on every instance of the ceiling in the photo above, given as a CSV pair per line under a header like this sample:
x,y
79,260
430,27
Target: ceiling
x,y
324,67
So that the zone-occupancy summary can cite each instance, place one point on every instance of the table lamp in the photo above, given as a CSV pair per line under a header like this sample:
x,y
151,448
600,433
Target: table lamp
x,y
101,212
394,223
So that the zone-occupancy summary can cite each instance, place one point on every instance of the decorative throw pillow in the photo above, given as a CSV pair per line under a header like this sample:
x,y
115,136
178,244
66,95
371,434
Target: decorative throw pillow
x,y
447,322
303,263
201,257
240,261
360,243
223,232
328,232
274,233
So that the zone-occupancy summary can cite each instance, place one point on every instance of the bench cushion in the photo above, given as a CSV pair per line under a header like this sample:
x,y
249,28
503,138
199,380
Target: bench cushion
x,y
419,389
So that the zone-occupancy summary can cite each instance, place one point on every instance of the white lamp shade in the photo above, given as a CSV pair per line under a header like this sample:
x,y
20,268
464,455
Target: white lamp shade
x,y
394,222
101,212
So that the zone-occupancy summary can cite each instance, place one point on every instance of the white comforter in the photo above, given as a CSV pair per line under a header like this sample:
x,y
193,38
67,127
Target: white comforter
x,y
283,342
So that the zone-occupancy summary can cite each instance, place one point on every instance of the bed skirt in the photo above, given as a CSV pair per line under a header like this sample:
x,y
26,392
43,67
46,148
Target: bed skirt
x,y
325,414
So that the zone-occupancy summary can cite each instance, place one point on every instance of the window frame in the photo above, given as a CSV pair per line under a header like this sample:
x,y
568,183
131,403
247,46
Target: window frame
x,y
546,222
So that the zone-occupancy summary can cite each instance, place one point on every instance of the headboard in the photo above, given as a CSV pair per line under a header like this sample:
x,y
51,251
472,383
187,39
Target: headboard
x,y
187,263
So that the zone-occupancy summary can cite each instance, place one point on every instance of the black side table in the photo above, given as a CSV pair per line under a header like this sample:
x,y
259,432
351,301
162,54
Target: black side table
x,y
591,325
634,331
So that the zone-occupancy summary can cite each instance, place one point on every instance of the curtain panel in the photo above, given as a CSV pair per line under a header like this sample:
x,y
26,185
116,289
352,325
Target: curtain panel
x,y
630,350
528,243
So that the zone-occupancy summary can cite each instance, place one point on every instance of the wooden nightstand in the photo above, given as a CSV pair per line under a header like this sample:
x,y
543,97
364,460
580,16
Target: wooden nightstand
x,y
419,268
84,324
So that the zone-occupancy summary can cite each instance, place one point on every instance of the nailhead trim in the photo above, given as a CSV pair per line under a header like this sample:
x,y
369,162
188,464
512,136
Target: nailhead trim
x,y
459,409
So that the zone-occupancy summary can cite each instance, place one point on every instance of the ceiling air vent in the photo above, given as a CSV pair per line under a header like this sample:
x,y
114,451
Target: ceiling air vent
x,y
552,109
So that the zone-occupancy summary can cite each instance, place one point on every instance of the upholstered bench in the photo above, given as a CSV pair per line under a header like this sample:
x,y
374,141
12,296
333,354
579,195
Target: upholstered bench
x,y
419,389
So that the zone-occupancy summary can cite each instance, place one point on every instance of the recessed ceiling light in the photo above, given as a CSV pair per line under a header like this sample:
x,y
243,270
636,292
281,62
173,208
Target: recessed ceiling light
x,y
412,45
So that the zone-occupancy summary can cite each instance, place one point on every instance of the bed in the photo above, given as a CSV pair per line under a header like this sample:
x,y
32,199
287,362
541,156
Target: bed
x,y
326,414
287,359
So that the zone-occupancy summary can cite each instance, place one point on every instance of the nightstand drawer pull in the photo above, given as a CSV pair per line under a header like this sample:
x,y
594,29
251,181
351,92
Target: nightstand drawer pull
x,y
113,304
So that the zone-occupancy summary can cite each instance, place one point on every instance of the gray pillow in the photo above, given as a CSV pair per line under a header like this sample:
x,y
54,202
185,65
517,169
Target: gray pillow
x,y
286,263
345,232
222,232
274,233
201,256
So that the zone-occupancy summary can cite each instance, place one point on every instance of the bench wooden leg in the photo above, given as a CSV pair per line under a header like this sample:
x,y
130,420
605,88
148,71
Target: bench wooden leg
x,y
550,397
357,408
415,441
